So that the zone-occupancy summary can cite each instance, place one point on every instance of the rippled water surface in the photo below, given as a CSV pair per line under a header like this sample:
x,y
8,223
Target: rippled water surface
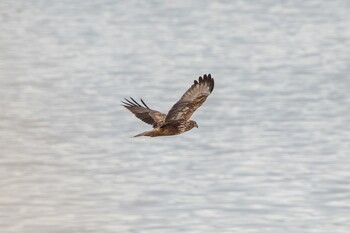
x,y
271,153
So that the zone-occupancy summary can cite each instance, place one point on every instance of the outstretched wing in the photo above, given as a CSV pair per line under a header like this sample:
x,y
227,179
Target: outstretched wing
x,y
144,113
193,98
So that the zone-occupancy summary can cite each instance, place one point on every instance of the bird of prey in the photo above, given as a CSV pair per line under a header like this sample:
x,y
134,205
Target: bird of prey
x,y
177,120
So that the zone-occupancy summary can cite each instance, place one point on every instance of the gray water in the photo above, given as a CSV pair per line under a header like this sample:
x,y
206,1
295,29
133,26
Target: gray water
x,y
272,151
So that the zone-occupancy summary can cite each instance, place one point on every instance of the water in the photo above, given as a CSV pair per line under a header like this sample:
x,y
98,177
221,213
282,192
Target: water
x,y
272,150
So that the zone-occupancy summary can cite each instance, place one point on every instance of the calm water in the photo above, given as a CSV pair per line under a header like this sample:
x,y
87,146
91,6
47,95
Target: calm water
x,y
272,150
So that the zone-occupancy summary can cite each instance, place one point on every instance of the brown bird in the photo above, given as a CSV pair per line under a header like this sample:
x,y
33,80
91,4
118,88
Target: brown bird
x,y
177,120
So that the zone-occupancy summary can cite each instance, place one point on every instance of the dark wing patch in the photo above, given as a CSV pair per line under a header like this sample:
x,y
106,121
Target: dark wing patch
x,y
191,100
144,113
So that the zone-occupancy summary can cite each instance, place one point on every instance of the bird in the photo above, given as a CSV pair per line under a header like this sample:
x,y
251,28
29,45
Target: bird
x,y
177,121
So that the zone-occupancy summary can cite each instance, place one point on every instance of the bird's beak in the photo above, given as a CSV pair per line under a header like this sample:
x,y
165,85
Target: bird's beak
x,y
196,126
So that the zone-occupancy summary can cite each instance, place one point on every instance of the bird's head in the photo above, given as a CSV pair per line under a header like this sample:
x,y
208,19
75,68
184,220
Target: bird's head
x,y
193,124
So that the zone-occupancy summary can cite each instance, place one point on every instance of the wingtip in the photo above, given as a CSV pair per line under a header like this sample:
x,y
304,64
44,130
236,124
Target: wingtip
x,y
144,103
124,104
207,79
212,84
133,103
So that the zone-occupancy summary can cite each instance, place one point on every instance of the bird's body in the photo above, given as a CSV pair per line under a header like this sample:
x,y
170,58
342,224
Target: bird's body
x,y
168,130
177,120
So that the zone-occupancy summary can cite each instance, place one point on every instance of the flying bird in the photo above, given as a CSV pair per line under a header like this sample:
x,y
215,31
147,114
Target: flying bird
x,y
177,121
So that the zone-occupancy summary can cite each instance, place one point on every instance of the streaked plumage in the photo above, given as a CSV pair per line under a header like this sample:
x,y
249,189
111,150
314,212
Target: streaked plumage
x,y
177,120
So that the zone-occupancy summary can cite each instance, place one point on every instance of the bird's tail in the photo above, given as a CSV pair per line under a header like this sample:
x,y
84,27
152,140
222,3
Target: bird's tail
x,y
147,133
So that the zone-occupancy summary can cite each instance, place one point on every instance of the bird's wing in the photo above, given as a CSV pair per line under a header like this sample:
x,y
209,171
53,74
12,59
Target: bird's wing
x,y
191,100
144,113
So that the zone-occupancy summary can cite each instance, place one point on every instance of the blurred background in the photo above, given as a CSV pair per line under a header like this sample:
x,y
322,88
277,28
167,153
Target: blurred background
x,y
272,150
